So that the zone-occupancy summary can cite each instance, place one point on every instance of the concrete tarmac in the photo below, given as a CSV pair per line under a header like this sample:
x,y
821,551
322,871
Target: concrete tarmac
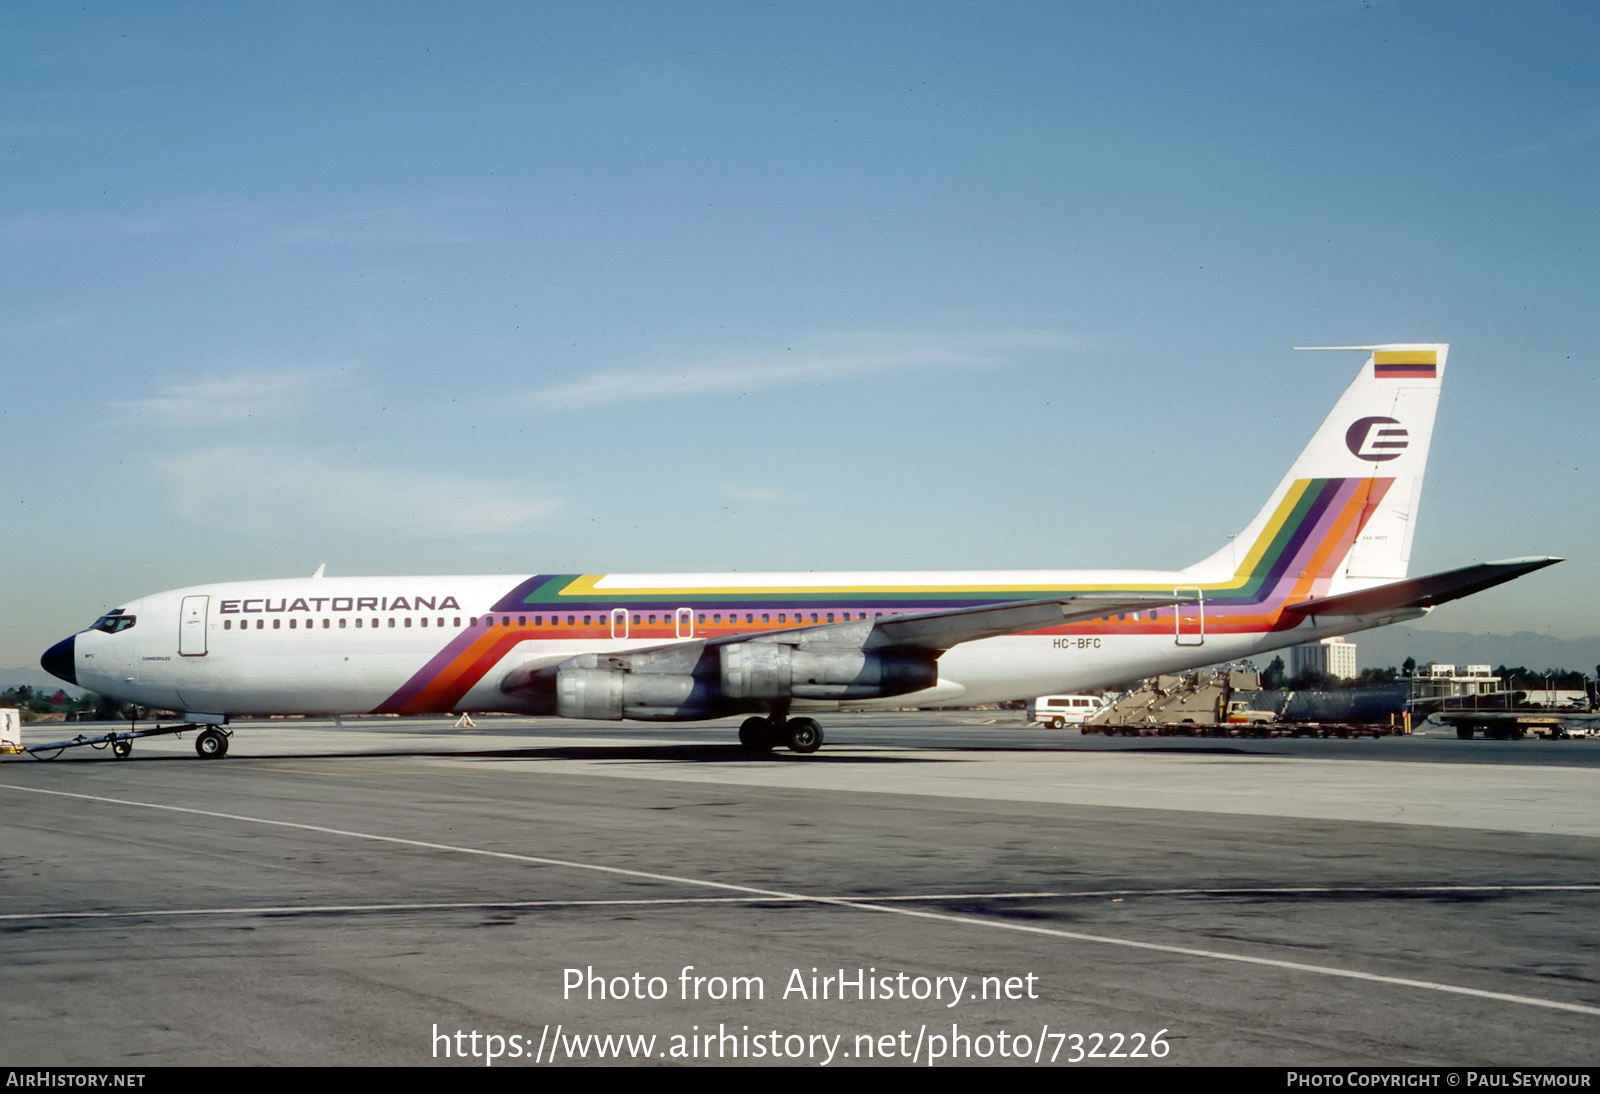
x,y
928,888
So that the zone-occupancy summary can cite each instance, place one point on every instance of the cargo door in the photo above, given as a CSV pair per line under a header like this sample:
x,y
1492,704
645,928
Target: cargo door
x,y
1190,626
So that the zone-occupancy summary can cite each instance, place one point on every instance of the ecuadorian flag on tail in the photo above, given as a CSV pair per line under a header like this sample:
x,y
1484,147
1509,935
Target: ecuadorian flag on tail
x,y
1410,364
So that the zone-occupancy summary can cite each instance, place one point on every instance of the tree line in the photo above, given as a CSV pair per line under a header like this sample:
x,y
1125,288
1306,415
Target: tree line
x,y
34,701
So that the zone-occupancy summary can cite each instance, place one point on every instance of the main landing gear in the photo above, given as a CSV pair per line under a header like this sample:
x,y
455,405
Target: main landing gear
x,y
801,735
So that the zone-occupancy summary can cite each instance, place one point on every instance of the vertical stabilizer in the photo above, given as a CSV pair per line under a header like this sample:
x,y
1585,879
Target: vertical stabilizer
x,y
1343,517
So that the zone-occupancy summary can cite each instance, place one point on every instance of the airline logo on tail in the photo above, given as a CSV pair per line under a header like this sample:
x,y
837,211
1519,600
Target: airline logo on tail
x,y
1376,439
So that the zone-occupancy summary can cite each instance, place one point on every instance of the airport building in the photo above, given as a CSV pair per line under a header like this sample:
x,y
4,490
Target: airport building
x,y
1333,656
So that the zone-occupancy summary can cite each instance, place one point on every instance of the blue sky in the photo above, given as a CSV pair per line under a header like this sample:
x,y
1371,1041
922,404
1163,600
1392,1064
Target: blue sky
x,y
426,288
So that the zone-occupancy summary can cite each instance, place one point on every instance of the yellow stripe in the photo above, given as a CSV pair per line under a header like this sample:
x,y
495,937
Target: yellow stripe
x,y
1407,357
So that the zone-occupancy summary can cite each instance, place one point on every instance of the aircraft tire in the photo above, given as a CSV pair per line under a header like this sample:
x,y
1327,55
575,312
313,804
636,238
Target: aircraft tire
x,y
805,735
212,744
755,735
1464,732
121,749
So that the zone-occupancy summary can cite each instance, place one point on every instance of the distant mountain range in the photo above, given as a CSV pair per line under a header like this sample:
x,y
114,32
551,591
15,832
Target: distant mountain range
x,y
34,678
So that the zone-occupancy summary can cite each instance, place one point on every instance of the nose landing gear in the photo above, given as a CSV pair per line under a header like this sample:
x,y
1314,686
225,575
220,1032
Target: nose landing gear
x,y
211,744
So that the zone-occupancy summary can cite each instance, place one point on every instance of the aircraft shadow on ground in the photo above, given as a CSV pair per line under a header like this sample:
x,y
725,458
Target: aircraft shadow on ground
x,y
681,753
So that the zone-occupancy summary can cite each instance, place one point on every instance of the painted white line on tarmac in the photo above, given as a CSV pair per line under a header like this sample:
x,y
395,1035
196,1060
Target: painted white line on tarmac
x,y
913,898
846,902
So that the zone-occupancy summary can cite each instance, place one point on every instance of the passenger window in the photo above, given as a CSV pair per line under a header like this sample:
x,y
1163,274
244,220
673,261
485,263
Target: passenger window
x,y
276,623
227,624
342,622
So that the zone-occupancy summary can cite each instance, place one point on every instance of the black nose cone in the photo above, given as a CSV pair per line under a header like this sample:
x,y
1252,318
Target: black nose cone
x,y
59,661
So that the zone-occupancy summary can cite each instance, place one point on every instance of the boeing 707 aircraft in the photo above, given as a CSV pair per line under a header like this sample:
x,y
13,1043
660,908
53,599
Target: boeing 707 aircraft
x,y
1326,555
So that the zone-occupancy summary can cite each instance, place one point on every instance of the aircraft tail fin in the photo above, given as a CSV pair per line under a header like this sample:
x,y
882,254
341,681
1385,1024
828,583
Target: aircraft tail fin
x,y
1343,517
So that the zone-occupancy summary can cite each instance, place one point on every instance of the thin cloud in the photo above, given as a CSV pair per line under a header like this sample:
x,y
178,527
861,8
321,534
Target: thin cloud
x,y
255,396
808,360
49,228
1573,131
277,490
44,328
381,223
759,494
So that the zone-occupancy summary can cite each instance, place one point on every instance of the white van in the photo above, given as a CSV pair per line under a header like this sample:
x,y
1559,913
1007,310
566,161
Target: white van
x,y
1057,711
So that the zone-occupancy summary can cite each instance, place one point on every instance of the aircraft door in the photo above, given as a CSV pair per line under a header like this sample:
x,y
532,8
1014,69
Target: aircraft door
x,y
1190,625
192,626
619,622
685,622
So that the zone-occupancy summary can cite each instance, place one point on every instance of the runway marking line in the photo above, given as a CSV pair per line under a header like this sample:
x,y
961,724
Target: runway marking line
x,y
632,902
851,903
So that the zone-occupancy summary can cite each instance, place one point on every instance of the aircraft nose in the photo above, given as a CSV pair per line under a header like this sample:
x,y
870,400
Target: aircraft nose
x,y
59,660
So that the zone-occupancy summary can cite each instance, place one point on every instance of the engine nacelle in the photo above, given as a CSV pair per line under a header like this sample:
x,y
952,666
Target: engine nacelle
x,y
614,694
772,670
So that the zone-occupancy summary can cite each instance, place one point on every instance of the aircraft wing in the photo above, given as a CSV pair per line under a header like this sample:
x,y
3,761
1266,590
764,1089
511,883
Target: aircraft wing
x,y
927,633
941,629
1422,592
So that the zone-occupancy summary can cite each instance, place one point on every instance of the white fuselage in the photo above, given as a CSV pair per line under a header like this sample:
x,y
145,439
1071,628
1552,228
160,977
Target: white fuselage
x,y
350,645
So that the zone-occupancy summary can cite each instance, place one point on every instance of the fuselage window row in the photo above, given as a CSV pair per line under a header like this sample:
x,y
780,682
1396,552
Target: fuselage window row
x,y
639,619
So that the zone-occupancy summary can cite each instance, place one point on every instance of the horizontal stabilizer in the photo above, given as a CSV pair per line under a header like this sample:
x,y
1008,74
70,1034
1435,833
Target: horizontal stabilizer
x,y
1422,592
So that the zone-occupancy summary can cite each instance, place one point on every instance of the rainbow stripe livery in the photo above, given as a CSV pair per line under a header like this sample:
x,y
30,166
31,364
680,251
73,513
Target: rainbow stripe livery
x,y
1327,554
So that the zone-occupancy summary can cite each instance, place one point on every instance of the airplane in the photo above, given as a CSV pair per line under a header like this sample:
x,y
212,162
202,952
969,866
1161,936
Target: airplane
x,y
1326,555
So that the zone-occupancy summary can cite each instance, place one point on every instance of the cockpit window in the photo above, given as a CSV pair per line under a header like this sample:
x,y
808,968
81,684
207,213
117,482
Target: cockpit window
x,y
114,621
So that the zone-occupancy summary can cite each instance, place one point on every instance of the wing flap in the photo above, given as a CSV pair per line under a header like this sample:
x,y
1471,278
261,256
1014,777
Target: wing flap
x,y
941,630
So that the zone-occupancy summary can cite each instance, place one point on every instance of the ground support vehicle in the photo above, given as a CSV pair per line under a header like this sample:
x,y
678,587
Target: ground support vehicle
x,y
1511,725
211,743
